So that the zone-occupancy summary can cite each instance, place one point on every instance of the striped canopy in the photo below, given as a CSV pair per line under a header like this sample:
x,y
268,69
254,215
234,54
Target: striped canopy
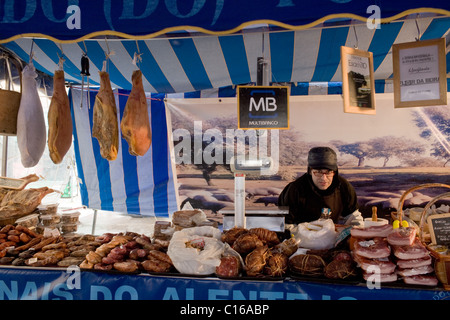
x,y
195,63
143,185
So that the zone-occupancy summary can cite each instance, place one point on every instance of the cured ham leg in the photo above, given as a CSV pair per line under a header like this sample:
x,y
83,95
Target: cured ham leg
x,y
23,202
31,130
135,123
30,197
28,179
105,125
59,120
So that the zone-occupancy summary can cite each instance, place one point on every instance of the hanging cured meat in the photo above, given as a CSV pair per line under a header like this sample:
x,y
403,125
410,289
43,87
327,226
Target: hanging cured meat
x,y
31,131
105,125
59,120
135,123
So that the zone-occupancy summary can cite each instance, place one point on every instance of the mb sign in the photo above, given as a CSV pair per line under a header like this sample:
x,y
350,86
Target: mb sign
x,y
261,107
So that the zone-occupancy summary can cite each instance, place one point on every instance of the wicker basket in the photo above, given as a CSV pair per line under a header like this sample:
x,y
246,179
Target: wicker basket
x,y
9,106
442,261
399,214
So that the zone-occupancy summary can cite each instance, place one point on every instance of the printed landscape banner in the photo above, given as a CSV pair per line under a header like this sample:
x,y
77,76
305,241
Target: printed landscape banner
x,y
382,155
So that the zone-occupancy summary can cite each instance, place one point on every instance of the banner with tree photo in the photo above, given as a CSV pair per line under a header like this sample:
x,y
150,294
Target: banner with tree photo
x,y
382,155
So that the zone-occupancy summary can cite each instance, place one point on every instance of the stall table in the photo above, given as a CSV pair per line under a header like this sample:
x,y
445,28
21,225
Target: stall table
x,y
25,283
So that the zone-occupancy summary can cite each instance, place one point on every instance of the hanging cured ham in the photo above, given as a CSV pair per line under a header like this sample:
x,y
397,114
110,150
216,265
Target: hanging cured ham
x,y
135,123
59,120
31,130
105,124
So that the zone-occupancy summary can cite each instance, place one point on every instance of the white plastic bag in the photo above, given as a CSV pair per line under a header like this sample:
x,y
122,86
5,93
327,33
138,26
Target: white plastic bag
x,y
318,234
196,250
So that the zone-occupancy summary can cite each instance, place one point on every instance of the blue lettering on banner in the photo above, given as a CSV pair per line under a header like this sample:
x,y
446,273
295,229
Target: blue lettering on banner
x,y
32,291
121,293
17,15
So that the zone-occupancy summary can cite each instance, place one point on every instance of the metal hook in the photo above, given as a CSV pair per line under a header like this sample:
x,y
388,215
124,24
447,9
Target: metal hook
x,y
85,48
61,58
137,56
418,30
356,38
31,51
107,56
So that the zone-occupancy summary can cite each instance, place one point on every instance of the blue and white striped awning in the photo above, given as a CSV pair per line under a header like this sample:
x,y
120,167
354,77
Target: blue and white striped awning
x,y
205,62
143,185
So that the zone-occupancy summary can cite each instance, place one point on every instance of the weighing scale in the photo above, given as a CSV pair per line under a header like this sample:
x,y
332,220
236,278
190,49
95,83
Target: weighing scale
x,y
269,218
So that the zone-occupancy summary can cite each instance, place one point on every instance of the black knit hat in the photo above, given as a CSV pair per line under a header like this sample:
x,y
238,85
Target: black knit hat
x,y
322,158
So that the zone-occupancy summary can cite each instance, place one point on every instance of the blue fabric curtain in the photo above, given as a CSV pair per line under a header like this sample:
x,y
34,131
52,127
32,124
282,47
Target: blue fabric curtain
x,y
129,184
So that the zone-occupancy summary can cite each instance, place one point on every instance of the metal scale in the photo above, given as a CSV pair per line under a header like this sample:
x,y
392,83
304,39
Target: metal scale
x,y
271,218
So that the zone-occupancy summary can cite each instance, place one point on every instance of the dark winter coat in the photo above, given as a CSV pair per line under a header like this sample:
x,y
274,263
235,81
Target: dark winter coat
x,y
305,200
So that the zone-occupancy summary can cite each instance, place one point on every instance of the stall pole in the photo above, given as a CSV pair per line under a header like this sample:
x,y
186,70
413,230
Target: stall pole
x,y
239,202
5,138
94,221
4,156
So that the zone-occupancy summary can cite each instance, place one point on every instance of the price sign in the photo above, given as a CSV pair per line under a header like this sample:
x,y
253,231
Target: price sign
x,y
439,225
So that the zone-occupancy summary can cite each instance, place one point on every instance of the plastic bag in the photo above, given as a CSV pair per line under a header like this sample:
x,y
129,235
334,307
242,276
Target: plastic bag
x,y
318,234
196,250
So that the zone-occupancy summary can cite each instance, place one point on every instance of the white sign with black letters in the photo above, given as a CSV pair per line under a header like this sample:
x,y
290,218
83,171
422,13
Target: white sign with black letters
x,y
420,73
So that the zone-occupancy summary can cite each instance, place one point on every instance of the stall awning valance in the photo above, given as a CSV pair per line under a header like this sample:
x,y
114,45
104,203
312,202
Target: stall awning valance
x,y
83,19
188,64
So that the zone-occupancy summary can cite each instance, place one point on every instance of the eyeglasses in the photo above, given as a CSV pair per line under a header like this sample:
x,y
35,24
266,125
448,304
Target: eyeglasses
x,y
319,173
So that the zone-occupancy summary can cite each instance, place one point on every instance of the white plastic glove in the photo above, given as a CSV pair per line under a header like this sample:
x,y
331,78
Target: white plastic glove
x,y
354,219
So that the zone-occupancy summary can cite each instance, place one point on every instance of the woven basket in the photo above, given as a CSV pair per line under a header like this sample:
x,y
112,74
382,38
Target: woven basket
x,y
442,261
399,214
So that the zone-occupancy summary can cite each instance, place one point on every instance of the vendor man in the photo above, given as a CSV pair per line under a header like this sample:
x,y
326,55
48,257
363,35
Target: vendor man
x,y
320,189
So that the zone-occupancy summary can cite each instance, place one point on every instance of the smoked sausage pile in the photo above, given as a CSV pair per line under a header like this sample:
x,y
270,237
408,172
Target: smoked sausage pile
x,y
261,251
256,253
128,252
21,246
